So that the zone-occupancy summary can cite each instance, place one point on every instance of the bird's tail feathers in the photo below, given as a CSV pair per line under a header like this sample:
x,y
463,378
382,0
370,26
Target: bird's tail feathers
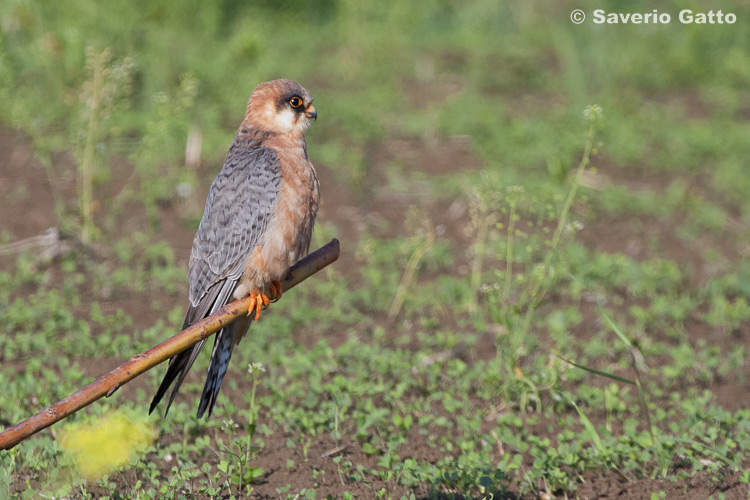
x,y
178,367
222,352
214,299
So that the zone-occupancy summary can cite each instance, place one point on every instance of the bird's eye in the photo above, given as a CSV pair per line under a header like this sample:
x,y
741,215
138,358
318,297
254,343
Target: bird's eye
x,y
295,102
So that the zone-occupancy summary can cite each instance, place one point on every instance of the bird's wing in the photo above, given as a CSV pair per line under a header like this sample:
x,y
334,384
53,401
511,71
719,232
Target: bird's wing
x,y
238,209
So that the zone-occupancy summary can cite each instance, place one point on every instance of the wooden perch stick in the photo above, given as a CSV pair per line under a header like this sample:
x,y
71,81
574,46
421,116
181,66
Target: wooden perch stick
x,y
107,384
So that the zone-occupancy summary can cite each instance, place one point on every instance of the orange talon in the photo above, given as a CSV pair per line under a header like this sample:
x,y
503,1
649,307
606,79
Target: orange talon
x,y
258,306
257,302
275,289
251,305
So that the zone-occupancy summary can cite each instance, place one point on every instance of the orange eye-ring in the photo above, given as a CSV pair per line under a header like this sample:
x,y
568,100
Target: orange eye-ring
x,y
295,102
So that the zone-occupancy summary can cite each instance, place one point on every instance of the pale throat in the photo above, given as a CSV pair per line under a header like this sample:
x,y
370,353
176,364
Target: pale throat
x,y
285,121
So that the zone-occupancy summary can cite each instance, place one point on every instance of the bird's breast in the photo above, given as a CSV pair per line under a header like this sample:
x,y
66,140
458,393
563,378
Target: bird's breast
x,y
290,229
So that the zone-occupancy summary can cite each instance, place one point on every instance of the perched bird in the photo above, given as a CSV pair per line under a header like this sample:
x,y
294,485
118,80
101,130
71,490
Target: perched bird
x,y
257,222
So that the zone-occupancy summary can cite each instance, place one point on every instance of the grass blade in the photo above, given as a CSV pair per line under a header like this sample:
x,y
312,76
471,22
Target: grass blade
x,y
598,372
614,327
588,425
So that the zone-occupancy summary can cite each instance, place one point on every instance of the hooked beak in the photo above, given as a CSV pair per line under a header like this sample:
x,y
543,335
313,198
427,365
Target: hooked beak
x,y
311,112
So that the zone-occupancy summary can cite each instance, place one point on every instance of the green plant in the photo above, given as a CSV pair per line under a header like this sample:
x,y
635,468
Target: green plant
x,y
102,95
419,224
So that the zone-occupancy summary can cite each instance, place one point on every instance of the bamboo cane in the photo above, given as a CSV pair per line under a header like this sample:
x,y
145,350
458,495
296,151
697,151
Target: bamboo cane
x,y
107,384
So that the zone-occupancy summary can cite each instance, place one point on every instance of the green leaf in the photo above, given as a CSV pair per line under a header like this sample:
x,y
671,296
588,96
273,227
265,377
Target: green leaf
x,y
223,466
249,476
588,425
369,449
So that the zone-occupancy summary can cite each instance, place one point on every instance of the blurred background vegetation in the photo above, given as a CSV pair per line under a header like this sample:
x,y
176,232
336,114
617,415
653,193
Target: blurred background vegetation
x,y
510,76
449,137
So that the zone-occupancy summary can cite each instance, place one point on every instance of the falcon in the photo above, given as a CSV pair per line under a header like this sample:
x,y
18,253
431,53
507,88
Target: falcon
x,y
257,222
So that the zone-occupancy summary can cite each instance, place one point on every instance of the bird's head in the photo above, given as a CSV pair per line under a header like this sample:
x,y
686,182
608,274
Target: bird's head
x,y
281,106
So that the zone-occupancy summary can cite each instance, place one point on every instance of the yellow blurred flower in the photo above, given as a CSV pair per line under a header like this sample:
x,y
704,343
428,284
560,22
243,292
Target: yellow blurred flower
x,y
106,443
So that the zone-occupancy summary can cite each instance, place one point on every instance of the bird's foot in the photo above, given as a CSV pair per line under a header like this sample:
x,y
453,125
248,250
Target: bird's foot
x,y
257,301
275,289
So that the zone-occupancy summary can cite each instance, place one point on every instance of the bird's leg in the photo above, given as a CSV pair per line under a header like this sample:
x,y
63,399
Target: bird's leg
x,y
275,289
257,301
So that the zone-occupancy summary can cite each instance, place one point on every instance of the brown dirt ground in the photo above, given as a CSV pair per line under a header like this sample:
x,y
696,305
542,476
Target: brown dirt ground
x,y
27,204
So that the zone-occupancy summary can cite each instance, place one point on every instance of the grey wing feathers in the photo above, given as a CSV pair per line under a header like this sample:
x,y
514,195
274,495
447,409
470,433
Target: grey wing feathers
x,y
237,211
238,208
